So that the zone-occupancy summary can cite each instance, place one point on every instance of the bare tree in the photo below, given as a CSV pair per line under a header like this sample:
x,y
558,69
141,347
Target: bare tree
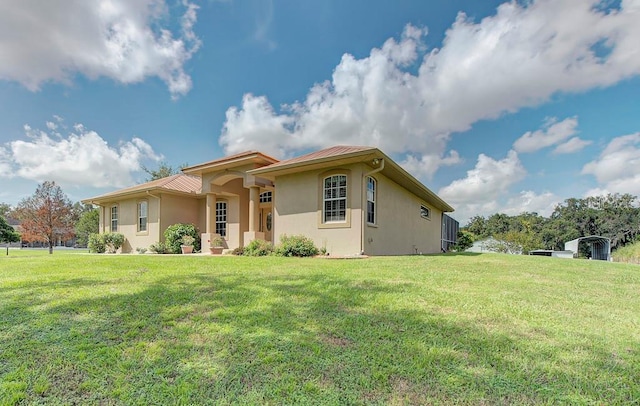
x,y
47,215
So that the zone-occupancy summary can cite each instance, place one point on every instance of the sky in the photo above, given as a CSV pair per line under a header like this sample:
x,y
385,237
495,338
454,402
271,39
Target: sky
x,y
496,106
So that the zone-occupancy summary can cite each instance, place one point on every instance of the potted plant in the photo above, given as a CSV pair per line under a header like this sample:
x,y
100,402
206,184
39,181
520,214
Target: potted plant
x,y
217,245
187,244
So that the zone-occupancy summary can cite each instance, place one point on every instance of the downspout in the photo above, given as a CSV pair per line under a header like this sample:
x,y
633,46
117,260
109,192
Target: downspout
x,y
363,202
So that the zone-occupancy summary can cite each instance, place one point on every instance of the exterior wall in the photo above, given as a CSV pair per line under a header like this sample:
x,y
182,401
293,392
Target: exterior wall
x,y
297,209
180,209
163,211
399,228
128,223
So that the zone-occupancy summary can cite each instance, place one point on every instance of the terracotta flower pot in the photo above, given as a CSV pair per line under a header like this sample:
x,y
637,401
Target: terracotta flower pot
x,y
186,249
216,250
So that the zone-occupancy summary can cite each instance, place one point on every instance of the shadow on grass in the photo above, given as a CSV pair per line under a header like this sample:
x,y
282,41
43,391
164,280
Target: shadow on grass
x,y
198,339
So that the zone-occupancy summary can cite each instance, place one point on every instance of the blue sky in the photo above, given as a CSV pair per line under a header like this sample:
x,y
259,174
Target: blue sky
x,y
498,107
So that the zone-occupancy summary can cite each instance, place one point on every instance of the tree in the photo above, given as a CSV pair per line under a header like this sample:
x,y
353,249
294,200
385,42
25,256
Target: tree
x,y
47,215
7,233
87,224
465,241
5,210
164,170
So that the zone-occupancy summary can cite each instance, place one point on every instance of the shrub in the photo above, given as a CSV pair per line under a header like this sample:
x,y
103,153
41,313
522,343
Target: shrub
x,y
258,248
141,250
159,248
174,233
96,243
465,241
113,241
238,251
296,246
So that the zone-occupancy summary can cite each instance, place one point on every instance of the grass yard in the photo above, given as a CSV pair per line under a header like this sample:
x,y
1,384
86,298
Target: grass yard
x,y
466,329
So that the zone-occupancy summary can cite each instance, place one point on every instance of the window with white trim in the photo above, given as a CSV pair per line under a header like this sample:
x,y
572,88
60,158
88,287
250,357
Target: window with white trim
x,y
221,218
114,219
371,200
266,197
425,213
334,199
142,215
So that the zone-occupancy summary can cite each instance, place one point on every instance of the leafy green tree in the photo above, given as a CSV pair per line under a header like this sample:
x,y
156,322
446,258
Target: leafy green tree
x,y
47,215
87,224
465,241
7,233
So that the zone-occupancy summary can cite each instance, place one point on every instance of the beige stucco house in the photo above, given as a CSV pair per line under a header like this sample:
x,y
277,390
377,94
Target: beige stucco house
x,y
349,200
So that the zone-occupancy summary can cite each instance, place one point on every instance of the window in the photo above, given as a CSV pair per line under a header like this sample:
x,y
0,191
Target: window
x,y
142,216
371,200
335,199
114,219
265,197
221,218
425,213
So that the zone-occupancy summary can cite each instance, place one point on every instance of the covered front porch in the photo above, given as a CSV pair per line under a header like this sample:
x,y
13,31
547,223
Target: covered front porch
x,y
238,206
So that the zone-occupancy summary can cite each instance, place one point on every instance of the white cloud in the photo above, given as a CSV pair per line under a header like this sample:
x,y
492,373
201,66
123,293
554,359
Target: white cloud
x,y
529,201
553,132
83,158
481,191
575,144
120,39
617,169
521,56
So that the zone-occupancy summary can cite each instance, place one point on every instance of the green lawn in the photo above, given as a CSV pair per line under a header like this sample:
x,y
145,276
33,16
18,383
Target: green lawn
x,y
467,329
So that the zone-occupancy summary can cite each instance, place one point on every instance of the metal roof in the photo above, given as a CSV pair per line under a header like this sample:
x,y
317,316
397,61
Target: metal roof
x,y
179,183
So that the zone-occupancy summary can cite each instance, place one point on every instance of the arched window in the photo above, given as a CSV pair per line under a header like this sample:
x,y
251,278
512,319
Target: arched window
x,y
334,199
266,197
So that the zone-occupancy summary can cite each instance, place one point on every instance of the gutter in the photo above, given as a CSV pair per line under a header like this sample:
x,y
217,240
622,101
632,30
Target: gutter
x,y
363,201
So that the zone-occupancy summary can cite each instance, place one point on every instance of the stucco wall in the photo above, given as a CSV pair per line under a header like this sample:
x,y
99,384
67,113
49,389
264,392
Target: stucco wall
x,y
163,211
128,223
399,227
180,209
297,209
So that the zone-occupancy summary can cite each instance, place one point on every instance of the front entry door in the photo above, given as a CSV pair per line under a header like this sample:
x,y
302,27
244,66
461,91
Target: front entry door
x,y
266,222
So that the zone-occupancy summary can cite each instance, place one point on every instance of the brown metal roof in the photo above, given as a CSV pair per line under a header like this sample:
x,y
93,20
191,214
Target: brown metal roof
x,y
241,158
175,183
337,151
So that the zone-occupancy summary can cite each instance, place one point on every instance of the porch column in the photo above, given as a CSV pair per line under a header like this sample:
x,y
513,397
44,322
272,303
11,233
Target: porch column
x,y
210,223
254,216
211,213
254,208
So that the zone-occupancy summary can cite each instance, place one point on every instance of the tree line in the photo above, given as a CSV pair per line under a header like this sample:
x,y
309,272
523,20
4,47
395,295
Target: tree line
x,y
615,216
48,216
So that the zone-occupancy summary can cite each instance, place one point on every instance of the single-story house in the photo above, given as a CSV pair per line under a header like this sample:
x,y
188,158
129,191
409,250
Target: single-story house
x,y
349,200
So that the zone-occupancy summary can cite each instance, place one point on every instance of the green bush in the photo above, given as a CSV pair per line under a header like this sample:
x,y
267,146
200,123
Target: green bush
x,y
238,251
159,248
96,243
296,246
465,241
113,241
258,248
174,233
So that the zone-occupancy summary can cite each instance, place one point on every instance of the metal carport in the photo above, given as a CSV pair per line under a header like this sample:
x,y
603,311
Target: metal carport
x,y
600,246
